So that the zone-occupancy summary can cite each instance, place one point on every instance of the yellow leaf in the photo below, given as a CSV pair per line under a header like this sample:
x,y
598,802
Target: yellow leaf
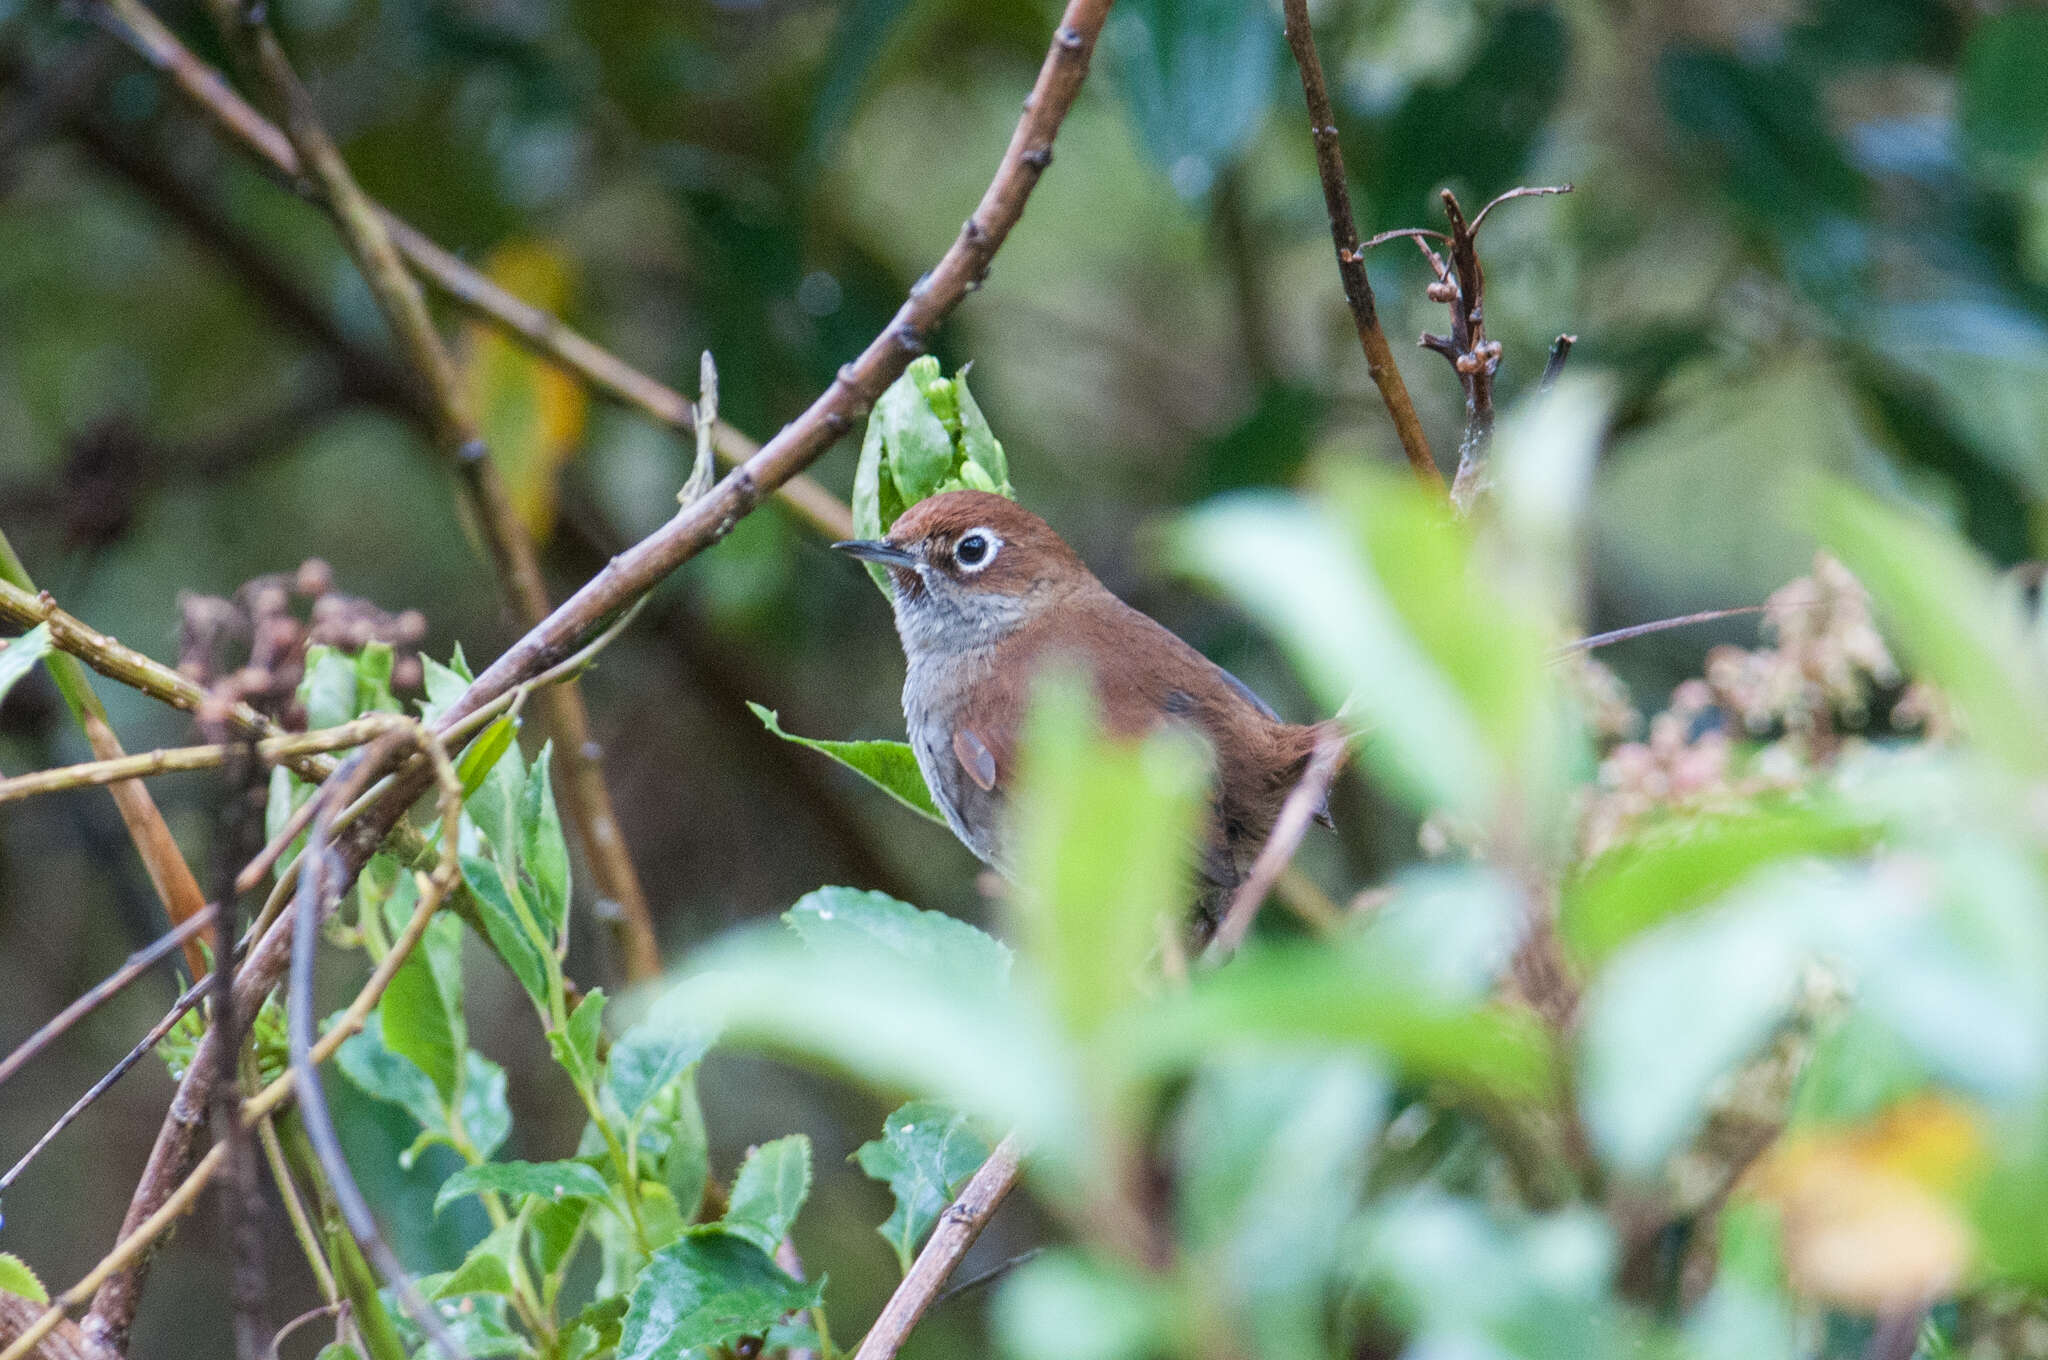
x,y
529,411
1870,1216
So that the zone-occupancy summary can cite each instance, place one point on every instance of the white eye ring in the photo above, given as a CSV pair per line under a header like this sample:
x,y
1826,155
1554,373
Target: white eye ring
x,y
985,542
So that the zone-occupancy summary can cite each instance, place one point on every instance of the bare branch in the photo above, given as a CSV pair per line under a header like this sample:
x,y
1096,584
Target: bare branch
x,y
182,759
1519,191
1636,630
1560,350
958,1227
1379,355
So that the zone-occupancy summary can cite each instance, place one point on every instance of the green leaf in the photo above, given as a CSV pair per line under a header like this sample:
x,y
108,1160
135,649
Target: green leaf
x,y
380,1073
686,1165
575,1045
373,665
1196,78
338,1350
925,1154
1105,835
556,1228
1350,998
890,766
920,449
444,685
421,1010
1067,1305
706,1290
543,849
657,1049
548,1182
16,1278
1297,568
769,1190
328,688
508,935
1954,625
2003,87
287,793
480,760
20,656
1677,866
487,1269
850,923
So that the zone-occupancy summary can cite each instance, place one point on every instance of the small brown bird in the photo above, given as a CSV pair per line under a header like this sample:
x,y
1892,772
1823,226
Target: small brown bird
x,y
986,595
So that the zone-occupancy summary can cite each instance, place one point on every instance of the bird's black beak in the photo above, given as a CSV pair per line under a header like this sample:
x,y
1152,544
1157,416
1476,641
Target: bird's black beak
x,y
876,550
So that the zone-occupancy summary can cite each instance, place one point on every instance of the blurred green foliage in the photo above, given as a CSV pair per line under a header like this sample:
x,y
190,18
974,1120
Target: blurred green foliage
x,y
1807,262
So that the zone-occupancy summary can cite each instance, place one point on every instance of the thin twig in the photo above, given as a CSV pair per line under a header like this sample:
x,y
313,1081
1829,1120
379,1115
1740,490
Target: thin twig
x,y
958,1227
1636,630
586,801
1379,355
203,86
636,571
180,1197
138,963
182,759
168,872
1274,856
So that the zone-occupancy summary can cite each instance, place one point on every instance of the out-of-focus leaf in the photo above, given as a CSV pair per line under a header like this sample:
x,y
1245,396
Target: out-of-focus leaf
x,y
925,1154
16,1278
20,656
2010,1198
850,923
2002,86
1738,1322
1944,608
863,33
1870,1215
890,766
1986,365
1272,1156
422,1011
768,1191
1686,863
1467,1284
658,1048
575,1044
934,1021
1449,930
1766,132
1543,457
1066,1305
287,793
1680,1006
1293,567
529,412
479,1323
374,665
703,1291
1196,77
338,1350
1105,832
1345,997
509,936
552,1182
1858,1068
543,850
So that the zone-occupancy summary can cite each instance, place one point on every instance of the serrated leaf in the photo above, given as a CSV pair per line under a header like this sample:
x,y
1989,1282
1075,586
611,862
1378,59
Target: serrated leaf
x,y
852,923
17,1278
21,654
487,1269
549,1182
555,1228
543,850
890,766
925,1154
575,1045
660,1047
705,1290
378,1072
769,1190
508,935
444,685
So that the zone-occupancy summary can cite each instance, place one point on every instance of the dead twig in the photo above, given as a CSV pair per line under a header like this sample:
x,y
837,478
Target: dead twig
x,y
958,1227
1274,856
1560,350
1379,355
1636,630
183,759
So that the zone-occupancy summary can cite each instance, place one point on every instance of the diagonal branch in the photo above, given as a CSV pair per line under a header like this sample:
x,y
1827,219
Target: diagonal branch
x,y
1379,355
637,570
1309,794
404,306
958,1227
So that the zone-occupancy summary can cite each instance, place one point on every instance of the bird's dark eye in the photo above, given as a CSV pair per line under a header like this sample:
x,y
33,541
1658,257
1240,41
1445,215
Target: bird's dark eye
x,y
974,549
